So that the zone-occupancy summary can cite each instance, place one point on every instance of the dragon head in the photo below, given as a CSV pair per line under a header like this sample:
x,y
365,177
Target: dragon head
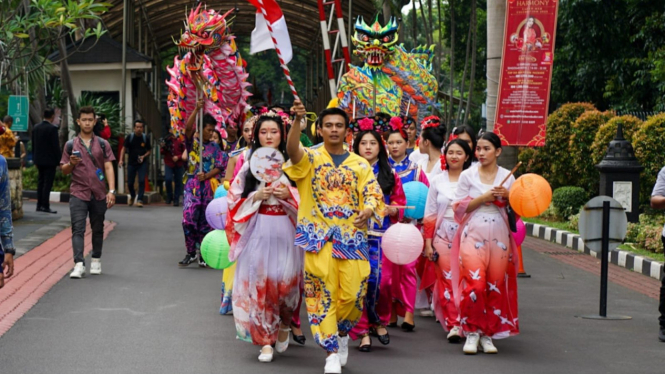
x,y
375,42
204,29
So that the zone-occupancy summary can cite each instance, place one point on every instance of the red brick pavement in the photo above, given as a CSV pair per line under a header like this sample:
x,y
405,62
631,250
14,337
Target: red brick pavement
x,y
627,278
36,272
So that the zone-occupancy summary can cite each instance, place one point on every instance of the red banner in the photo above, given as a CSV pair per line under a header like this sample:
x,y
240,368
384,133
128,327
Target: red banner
x,y
526,72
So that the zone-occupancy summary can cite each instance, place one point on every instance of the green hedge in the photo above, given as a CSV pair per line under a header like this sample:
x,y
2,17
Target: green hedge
x,y
568,200
31,177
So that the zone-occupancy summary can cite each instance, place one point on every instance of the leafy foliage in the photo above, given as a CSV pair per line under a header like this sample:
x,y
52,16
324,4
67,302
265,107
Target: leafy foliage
x,y
608,131
568,200
553,160
619,66
31,176
650,151
583,134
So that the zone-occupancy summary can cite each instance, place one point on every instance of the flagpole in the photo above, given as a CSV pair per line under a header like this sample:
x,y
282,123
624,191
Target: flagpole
x,y
285,69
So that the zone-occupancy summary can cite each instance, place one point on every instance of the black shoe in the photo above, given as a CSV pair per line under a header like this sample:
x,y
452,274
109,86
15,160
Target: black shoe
x,y
392,324
175,203
202,263
168,201
383,339
187,260
366,347
408,327
661,335
48,210
39,209
300,339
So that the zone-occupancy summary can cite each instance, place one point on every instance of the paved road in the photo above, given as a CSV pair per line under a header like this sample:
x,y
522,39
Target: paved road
x,y
145,315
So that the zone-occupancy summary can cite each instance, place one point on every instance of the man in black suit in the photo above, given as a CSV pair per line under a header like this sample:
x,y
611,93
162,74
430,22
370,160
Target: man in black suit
x,y
46,156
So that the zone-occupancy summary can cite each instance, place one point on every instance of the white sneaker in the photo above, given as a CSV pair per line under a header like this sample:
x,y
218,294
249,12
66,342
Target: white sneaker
x,y
96,266
265,357
281,347
426,313
471,345
455,335
343,351
79,271
487,345
333,365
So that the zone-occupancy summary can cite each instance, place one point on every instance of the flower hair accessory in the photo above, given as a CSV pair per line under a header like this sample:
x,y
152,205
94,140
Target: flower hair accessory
x,y
396,124
443,161
378,123
431,121
286,119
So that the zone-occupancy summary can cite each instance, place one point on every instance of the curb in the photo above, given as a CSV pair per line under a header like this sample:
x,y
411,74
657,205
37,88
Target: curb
x,y
63,197
624,259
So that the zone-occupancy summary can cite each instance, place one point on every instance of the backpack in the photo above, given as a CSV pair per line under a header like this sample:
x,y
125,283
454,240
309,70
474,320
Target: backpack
x,y
69,146
131,138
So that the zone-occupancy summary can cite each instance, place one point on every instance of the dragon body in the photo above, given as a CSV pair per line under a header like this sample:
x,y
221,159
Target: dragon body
x,y
211,66
391,80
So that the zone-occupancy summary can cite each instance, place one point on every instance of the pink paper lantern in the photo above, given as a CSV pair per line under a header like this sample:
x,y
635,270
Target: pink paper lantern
x,y
402,243
216,213
520,235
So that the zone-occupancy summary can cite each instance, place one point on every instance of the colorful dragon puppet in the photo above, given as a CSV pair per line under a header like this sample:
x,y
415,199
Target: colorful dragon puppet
x,y
213,66
391,79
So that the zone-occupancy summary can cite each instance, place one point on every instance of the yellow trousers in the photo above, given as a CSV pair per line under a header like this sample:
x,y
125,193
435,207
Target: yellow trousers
x,y
334,295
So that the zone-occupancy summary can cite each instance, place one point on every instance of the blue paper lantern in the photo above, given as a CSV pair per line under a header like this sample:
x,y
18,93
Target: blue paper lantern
x,y
221,191
416,196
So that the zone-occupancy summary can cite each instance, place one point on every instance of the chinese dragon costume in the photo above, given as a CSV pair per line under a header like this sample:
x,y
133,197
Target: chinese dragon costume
x,y
391,79
213,66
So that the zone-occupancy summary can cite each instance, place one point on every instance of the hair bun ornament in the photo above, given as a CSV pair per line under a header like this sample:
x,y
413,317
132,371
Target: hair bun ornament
x,y
431,121
396,124
367,124
443,161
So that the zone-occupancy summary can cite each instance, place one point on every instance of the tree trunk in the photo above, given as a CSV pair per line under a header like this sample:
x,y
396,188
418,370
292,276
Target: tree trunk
x,y
451,5
474,22
387,12
66,80
428,34
466,64
414,20
63,131
496,18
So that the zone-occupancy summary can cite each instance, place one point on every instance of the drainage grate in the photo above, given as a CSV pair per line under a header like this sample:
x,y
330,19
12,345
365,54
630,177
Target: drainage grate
x,y
566,253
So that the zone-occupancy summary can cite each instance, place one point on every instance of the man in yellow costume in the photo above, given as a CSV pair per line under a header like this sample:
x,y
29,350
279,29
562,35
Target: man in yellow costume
x,y
339,195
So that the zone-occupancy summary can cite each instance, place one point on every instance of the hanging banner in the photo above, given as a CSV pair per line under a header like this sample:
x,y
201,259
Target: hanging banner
x,y
526,72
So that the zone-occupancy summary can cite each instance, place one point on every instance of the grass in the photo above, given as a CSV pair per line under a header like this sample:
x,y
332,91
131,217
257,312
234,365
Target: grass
x,y
551,223
565,226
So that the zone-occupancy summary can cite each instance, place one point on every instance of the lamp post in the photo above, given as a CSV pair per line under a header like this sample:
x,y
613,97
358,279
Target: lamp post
x,y
620,175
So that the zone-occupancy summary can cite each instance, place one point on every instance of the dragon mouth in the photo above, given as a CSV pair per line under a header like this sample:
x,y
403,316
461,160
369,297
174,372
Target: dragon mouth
x,y
374,56
197,53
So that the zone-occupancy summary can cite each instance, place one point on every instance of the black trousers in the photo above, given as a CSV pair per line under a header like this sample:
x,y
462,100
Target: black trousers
x,y
81,210
44,185
661,305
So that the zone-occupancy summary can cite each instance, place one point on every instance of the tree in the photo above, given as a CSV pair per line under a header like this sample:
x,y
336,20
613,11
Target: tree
x,y
32,30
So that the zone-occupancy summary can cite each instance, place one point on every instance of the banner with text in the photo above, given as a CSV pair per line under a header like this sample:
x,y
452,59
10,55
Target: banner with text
x,y
526,72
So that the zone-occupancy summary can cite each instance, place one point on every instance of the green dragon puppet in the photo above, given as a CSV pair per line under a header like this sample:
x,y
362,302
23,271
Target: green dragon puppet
x,y
391,80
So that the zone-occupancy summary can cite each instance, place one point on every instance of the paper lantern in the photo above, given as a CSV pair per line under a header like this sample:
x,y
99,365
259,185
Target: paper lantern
x,y
215,250
216,213
416,196
402,243
520,235
221,191
530,195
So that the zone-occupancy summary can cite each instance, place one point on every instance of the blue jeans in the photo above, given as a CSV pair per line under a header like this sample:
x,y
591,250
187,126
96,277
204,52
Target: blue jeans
x,y
132,170
173,174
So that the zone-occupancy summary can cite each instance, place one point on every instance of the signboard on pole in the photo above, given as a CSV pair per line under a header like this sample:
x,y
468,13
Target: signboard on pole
x,y
526,72
19,109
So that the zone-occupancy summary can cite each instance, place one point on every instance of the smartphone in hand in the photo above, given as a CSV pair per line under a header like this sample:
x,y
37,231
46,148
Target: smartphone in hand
x,y
77,154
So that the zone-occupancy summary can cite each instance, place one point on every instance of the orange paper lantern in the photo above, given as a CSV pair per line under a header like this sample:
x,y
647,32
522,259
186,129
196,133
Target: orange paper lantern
x,y
530,195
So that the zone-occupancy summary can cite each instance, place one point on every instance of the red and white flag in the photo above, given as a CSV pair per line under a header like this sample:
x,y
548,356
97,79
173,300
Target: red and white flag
x,y
261,39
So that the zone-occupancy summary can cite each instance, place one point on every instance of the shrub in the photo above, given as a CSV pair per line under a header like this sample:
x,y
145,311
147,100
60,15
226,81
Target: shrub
x,y
574,222
650,151
31,175
608,131
568,200
553,161
583,134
